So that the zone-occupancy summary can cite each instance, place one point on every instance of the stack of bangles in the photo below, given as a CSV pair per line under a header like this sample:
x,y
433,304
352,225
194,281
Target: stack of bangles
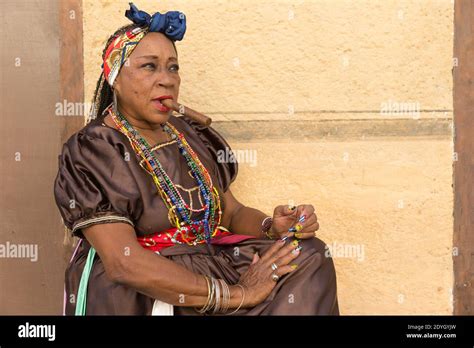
x,y
218,297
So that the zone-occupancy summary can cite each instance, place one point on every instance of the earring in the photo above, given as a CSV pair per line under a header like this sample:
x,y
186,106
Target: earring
x,y
115,107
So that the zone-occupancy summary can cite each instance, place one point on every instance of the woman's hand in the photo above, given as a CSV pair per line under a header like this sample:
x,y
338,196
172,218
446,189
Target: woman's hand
x,y
257,280
300,221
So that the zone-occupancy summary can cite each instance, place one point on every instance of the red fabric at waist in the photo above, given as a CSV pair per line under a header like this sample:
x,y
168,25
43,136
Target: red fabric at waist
x,y
160,240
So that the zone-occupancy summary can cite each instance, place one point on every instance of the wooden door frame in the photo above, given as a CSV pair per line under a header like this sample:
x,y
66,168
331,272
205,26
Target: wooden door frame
x,y
463,165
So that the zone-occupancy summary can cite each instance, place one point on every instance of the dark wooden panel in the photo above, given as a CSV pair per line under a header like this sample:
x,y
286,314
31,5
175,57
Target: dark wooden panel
x,y
464,166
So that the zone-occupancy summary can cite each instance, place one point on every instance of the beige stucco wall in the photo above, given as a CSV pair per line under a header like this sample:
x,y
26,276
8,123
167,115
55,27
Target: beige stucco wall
x,y
327,62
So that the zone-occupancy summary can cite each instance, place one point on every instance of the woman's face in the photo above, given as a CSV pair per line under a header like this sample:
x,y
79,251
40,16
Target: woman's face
x,y
151,72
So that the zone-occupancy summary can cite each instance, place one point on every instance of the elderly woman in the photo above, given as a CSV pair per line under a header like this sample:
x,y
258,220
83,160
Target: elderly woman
x,y
152,206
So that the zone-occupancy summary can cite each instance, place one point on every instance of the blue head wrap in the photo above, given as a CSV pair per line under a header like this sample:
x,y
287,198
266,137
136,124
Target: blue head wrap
x,y
172,23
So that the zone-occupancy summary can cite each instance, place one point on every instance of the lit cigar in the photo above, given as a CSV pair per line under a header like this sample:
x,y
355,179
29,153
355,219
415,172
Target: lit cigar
x,y
184,110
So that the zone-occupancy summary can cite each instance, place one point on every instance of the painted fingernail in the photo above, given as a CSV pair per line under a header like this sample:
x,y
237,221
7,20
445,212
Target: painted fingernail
x,y
298,235
283,239
295,243
302,218
292,207
298,227
296,251
299,247
292,229
294,266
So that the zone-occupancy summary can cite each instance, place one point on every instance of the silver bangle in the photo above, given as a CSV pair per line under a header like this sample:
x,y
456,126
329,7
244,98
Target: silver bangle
x,y
218,298
209,302
217,304
241,302
201,310
225,296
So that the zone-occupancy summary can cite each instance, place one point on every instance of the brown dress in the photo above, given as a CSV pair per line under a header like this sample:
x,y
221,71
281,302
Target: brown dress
x,y
101,180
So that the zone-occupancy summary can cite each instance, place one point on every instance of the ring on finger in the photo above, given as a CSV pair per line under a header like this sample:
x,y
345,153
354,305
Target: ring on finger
x,y
275,277
274,266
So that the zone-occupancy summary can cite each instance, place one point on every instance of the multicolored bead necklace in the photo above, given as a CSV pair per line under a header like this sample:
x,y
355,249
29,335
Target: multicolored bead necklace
x,y
204,229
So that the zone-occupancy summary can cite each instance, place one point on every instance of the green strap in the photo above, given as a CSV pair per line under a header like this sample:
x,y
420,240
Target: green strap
x,y
82,293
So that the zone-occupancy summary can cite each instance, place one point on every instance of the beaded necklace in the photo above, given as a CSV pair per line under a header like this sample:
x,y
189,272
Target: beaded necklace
x,y
204,229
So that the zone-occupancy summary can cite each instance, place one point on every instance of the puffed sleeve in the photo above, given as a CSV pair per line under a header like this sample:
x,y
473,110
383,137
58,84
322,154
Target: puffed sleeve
x,y
94,185
220,150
